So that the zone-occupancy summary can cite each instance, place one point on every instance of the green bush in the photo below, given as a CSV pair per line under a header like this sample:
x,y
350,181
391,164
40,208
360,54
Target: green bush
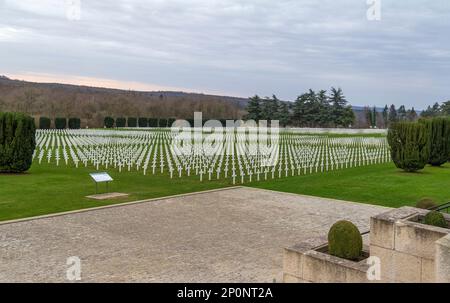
x,y
162,123
121,122
153,122
345,241
409,144
17,142
170,121
426,203
45,123
109,122
435,218
132,122
143,122
74,123
191,122
439,132
60,123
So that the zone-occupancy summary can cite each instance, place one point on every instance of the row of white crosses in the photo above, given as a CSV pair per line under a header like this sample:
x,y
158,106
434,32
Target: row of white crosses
x,y
227,153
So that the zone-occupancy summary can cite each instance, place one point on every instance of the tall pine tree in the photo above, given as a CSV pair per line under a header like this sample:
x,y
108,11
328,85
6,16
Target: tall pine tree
x,y
254,109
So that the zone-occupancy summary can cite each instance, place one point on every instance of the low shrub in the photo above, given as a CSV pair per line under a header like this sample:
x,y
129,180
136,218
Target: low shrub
x,y
170,122
60,123
143,122
45,123
109,122
435,218
132,122
162,123
121,122
153,122
345,241
426,203
74,123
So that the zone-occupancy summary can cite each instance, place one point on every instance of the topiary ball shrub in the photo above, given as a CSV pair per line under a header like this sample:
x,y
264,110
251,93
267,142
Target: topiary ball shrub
x,y
153,122
345,241
74,123
108,122
60,123
44,123
121,122
17,142
162,123
426,203
132,122
435,218
143,122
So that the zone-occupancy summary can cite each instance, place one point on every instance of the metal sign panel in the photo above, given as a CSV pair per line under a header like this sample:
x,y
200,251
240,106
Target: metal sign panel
x,y
101,177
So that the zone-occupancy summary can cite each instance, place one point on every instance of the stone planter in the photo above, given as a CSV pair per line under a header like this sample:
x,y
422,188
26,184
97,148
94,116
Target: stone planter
x,y
408,251
406,248
310,262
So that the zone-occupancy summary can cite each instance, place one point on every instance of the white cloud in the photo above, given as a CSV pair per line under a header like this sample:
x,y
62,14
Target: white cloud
x,y
244,47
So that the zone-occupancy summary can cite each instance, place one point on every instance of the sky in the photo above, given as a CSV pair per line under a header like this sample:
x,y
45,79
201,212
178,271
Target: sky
x,y
235,47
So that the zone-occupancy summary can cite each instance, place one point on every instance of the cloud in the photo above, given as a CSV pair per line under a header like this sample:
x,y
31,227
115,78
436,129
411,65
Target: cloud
x,y
239,47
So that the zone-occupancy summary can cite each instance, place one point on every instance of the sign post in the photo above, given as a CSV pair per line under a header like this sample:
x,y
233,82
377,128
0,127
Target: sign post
x,y
101,178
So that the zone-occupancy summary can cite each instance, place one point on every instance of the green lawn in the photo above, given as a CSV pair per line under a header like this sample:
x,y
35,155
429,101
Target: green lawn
x,y
381,184
50,189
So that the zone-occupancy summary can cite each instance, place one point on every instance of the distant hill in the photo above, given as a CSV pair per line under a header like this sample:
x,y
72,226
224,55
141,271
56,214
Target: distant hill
x,y
102,90
92,104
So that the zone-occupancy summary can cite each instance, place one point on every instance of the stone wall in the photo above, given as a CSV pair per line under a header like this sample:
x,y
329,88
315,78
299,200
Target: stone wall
x,y
408,250
305,262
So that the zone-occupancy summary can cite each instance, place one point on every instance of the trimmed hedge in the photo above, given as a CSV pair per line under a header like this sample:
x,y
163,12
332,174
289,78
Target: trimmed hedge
x,y
74,123
131,122
109,122
153,122
162,123
170,122
439,131
60,123
345,240
45,123
17,142
410,147
143,122
191,122
121,122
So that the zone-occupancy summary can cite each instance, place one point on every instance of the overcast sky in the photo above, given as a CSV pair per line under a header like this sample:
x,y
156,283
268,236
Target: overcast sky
x,y
235,47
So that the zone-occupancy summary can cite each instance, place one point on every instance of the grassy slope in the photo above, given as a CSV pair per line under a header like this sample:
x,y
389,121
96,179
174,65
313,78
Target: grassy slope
x,y
382,184
49,189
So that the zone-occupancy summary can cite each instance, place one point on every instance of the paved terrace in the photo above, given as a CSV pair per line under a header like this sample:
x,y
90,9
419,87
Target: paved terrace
x,y
232,235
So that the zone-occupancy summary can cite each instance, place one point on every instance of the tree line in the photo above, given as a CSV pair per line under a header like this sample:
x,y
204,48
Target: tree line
x,y
392,114
437,110
311,109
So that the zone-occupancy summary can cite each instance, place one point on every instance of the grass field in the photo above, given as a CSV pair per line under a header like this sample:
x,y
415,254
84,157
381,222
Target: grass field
x,y
49,189
381,184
